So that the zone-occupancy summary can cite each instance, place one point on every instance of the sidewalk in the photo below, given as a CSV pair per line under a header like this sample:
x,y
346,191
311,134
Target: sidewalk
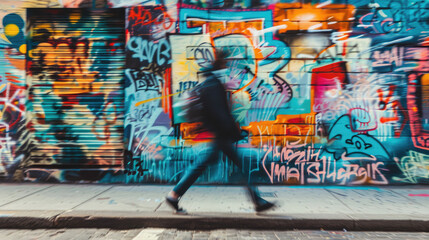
x,y
398,208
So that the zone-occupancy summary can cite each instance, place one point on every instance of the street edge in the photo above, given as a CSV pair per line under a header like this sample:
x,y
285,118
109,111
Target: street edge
x,y
210,223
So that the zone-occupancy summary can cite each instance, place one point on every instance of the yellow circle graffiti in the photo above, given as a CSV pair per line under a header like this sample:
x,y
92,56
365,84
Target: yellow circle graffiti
x,y
30,53
11,30
23,48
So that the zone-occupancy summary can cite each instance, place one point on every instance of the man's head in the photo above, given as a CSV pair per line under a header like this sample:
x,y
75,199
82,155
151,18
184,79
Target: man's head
x,y
220,61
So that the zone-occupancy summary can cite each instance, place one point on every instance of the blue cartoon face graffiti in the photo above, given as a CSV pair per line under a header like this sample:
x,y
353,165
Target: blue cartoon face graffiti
x,y
348,145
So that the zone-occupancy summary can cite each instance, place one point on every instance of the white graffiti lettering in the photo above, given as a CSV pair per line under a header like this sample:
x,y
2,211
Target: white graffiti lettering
x,y
149,51
309,167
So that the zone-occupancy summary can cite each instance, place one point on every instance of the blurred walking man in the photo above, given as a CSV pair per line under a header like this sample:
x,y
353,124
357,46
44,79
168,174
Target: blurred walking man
x,y
218,120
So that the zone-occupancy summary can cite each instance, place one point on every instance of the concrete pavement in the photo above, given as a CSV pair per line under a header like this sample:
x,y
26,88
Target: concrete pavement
x,y
393,208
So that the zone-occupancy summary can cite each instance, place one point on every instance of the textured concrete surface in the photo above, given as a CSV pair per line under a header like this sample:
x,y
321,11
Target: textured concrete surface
x,y
218,234
35,206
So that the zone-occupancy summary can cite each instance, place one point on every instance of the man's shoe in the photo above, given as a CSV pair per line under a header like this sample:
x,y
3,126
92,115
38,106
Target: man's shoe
x,y
174,204
264,206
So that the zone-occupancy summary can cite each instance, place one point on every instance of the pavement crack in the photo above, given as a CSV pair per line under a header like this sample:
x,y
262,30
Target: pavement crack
x,y
335,195
14,200
159,205
89,199
57,216
406,197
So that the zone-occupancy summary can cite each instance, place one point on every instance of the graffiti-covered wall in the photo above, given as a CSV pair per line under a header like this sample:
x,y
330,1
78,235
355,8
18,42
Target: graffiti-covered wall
x,y
325,91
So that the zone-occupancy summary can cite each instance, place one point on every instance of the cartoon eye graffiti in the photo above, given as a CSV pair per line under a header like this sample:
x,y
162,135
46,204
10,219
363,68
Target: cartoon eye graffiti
x,y
283,87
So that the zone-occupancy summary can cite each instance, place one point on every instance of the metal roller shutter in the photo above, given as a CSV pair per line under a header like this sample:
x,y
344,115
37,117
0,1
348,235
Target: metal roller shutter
x,y
76,94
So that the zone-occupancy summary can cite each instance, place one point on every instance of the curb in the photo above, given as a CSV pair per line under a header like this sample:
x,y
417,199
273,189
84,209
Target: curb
x,y
209,222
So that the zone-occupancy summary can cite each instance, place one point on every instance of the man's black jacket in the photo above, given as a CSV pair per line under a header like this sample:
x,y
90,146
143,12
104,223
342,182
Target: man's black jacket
x,y
217,116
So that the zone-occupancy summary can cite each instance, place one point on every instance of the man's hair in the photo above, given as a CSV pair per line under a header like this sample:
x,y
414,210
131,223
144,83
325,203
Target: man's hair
x,y
220,60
